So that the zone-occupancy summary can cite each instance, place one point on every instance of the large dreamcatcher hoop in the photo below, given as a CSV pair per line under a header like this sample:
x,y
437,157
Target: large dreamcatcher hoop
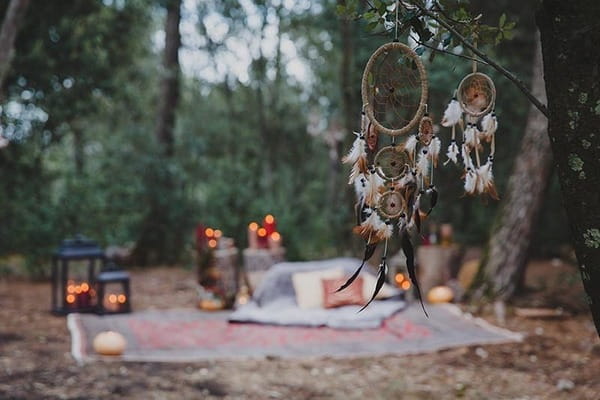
x,y
394,89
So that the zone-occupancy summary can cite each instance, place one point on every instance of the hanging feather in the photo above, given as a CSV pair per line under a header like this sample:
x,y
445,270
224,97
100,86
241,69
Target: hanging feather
x,y
369,251
357,151
401,224
372,194
452,114
489,125
466,156
433,197
471,138
381,274
452,152
369,228
407,179
360,187
416,213
434,150
423,162
409,253
385,231
359,168
470,181
485,180
411,145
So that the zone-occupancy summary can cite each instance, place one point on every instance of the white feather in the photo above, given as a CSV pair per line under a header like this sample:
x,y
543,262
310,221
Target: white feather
x,y
489,124
372,223
452,152
357,151
355,172
374,183
466,156
470,181
452,114
408,178
423,162
485,176
364,122
411,145
434,150
471,138
360,187
385,231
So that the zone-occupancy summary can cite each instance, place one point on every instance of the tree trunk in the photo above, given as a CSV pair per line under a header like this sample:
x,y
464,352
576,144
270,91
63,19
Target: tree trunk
x,y
8,34
169,90
509,243
570,37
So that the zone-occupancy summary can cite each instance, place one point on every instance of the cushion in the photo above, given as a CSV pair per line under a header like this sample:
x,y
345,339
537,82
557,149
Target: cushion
x,y
352,295
308,287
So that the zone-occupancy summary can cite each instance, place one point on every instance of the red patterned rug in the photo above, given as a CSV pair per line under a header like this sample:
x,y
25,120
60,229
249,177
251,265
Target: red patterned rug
x,y
192,335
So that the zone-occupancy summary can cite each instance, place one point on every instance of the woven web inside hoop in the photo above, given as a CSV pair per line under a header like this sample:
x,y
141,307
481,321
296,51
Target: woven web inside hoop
x,y
477,94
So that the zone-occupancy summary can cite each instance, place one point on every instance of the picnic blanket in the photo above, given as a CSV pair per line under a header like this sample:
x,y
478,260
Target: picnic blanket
x,y
274,301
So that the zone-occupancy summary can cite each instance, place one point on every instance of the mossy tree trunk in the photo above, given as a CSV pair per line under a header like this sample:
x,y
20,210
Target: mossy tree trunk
x,y
570,44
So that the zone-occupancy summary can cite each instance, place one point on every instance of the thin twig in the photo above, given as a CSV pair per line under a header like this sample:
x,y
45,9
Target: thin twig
x,y
518,83
446,51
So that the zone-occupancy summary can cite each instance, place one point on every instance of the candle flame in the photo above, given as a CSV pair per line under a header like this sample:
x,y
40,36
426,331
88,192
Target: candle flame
x,y
85,287
212,243
112,298
71,289
262,232
276,236
121,298
70,299
218,233
78,289
399,278
405,285
253,226
209,232
269,219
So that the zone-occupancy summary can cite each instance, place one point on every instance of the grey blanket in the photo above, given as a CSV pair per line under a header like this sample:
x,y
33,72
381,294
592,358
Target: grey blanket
x,y
274,301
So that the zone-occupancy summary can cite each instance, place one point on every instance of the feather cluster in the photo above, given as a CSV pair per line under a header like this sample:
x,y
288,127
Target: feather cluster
x,y
470,181
372,189
485,180
466,156
411,145
452,114
423,162
471,138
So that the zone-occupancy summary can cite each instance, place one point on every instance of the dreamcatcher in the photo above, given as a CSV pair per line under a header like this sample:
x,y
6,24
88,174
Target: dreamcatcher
x,y
393,181
472,109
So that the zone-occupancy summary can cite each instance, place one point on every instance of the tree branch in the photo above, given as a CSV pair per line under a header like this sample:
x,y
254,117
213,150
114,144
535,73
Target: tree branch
x,y
518,83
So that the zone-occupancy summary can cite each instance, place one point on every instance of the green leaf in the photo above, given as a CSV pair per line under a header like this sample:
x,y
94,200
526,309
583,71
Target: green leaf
x,y
502,20
372,25
509,35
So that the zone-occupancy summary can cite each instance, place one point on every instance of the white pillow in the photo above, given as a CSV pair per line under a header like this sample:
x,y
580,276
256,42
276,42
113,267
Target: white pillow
x,y
308,286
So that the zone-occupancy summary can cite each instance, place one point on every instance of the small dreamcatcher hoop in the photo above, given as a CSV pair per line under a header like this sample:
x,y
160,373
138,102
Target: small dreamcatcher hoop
x,y
394,89
390,162
476,94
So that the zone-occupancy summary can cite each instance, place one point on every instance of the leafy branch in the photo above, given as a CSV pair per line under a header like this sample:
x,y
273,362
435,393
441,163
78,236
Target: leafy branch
x,y
441,30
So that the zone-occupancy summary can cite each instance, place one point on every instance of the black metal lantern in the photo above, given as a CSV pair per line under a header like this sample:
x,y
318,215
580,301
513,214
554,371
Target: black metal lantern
x,y
113,290
74,267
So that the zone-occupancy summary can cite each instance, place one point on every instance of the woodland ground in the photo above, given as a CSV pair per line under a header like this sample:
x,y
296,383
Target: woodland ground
x,y
35,362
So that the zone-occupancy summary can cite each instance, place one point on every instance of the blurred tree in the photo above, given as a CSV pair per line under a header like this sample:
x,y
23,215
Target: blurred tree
x,y
511,238
161,237
570,37
8,33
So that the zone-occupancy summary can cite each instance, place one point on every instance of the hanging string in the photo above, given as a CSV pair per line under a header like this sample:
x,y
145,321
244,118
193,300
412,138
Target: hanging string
x,y
397,22
475,37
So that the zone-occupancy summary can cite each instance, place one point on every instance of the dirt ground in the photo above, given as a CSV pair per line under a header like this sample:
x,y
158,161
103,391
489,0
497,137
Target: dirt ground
x,y
559,359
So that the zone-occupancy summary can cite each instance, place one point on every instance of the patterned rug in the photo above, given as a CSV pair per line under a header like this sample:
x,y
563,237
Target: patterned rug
x,y
192,335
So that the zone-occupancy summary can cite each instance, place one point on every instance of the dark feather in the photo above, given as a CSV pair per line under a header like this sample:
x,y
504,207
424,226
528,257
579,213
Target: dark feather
x,y
433,197
409,252
380,281
369,251
417,218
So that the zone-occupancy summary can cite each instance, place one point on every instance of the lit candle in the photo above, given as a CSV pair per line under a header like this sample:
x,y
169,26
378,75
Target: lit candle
x,y
269,224
274,241
262,238
252,237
